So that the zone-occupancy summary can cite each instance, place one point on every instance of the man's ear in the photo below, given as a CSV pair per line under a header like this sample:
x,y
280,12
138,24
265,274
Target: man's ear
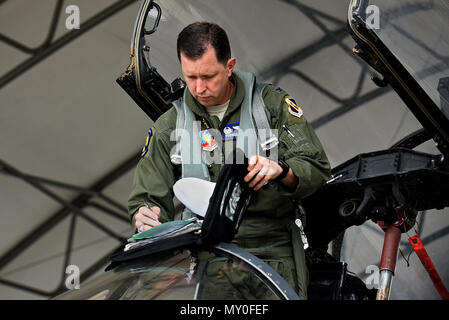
x,y
231,65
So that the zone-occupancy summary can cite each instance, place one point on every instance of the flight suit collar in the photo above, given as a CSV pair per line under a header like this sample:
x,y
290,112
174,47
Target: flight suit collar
x,y
236,99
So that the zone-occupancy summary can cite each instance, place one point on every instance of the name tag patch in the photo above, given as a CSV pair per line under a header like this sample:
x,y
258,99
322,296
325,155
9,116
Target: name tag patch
x,y
231,131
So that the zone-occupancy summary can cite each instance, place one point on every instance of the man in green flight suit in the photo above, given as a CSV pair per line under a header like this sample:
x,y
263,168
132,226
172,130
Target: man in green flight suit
x,y
215,96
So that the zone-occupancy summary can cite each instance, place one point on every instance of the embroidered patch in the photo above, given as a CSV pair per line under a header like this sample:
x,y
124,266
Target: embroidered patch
x,y
293,108
231,131
147,143
279,89
207,140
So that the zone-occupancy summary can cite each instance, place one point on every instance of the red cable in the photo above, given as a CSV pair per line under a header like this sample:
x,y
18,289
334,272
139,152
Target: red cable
x,y
417,245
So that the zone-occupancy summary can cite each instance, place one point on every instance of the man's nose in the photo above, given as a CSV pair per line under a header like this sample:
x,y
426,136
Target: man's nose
x,y
200,86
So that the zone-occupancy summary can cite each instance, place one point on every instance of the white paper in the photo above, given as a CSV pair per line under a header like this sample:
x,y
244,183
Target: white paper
x,y
194,193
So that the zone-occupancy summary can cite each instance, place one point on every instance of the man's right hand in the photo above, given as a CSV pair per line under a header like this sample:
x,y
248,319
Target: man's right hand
x,y
147,218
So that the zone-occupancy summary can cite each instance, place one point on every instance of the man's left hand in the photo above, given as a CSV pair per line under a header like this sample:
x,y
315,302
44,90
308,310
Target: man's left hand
x,y
261,170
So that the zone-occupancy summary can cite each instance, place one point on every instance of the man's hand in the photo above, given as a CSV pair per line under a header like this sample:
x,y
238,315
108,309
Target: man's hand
x,y
147,218
261,170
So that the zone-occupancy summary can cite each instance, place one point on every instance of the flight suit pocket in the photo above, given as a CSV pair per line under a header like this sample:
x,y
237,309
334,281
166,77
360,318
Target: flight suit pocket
x,y
286,269
295,142
229,279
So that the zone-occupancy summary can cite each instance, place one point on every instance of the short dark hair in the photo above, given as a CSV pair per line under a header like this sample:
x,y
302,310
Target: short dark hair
x,y
194,39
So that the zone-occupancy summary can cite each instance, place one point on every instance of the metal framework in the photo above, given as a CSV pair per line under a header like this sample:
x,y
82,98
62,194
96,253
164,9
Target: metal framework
x,y
50,46
86,198
73,208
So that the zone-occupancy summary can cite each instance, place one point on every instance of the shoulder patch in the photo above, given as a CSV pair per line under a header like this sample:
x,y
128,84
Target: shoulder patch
x,y
293,108
279,89
147,143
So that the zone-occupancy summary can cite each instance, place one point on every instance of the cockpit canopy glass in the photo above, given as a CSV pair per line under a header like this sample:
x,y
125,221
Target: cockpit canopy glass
x,y
416,32
179,275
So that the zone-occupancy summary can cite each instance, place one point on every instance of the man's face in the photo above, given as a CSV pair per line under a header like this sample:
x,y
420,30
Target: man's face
x,y
208,79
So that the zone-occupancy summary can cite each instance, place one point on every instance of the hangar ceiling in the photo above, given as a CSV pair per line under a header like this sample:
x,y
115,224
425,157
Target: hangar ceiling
x,y
70,137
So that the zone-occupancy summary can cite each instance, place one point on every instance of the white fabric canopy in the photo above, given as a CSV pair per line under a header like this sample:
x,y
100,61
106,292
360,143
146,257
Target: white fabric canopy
x,y
64,118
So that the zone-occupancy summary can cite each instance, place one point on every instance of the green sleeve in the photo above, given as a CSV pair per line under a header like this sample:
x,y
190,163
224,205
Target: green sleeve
x,y
154,176
303,151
